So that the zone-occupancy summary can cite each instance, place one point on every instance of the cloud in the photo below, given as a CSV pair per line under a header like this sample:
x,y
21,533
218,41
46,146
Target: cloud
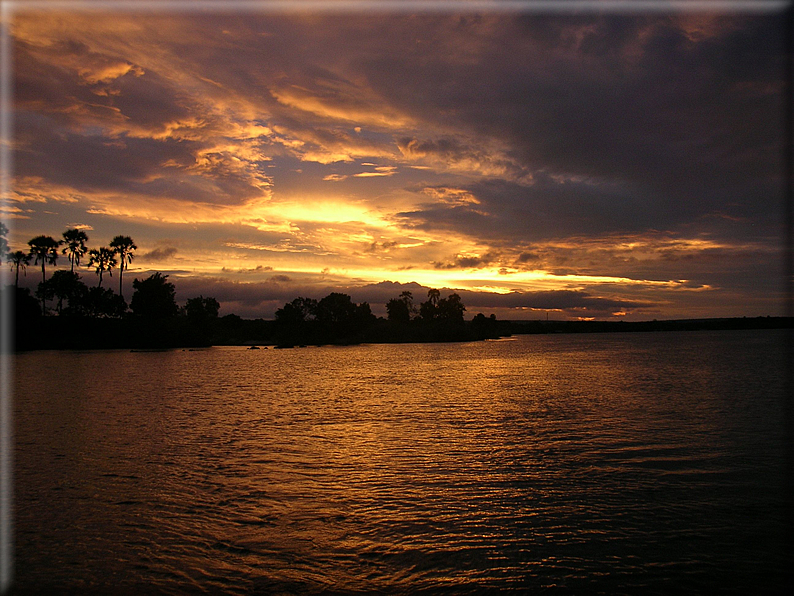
x,y
463,157
261,299
596,109
159,254
11,212
449,195
642,147
80,226
572,302
379,171
468,261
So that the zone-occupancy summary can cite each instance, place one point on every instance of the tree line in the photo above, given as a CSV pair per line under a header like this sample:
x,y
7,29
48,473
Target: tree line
x,y
153,297
152,318
337,319
44,250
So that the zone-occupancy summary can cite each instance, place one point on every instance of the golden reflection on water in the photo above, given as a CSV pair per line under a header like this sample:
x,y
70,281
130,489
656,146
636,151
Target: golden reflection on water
x,y
582,462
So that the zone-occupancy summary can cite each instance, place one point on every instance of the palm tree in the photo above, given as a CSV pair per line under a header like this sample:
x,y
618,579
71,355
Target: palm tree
x,y
103,259
63,285
75,245
45,249
433,295
124,247
19,259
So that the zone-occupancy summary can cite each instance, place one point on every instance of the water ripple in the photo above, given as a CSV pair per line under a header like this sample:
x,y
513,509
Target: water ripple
x,y
629,463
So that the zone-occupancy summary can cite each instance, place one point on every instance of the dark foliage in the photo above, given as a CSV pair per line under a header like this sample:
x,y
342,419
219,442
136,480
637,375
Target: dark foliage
x,y
75,299
401,310
92,318
201,310
334,319
103,303
154,297
65,287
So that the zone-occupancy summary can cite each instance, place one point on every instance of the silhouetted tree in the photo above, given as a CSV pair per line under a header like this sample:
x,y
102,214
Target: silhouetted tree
x,y
335,310
429,310
103,259
433,296
19,260
65,286
154,297
295,321
124,248
297,312
26,312
397,311
200,310
74,241
340,319
43,293
451,309
334,318
26,307
363,317
480,319
401,310
103,303
45,250
484,327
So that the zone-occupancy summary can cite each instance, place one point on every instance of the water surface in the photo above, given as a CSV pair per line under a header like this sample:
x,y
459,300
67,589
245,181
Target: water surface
x,y
619,463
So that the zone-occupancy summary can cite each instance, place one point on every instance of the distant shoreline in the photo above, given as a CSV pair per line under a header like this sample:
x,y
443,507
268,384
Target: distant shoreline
x,y
711,324
72,333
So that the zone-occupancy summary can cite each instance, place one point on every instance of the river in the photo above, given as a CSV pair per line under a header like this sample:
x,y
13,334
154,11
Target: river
x,y
612,463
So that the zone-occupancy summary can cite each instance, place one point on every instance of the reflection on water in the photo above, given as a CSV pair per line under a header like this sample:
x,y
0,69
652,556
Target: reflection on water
x,y
618,463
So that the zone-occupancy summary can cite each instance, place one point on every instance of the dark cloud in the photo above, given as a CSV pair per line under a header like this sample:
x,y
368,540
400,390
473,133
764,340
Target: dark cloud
x,y
682,117
281,279
97,122
254,300
76,86
528,257
510,213
574,302
124,164
257,269
467,262
454,153
382,247
159,254
683,126
567,300
539,135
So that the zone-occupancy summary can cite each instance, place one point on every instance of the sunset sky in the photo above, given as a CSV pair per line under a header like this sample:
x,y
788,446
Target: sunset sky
x,y
593,164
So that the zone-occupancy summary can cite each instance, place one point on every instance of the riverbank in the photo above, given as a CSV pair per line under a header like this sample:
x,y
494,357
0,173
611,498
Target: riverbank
x,y
76,333
721,324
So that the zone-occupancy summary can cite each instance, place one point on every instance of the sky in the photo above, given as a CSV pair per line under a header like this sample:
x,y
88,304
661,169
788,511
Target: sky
x,y
575,165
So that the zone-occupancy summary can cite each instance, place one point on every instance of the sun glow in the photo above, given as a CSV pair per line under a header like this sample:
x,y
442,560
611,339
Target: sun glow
x,y
322,211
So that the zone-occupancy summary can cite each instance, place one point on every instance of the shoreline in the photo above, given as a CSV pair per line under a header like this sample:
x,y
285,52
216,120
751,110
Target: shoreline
x,y
68,333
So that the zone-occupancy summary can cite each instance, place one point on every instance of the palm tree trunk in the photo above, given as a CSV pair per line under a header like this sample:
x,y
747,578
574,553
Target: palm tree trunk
x,y
121,276
43,299
99,285
16,279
